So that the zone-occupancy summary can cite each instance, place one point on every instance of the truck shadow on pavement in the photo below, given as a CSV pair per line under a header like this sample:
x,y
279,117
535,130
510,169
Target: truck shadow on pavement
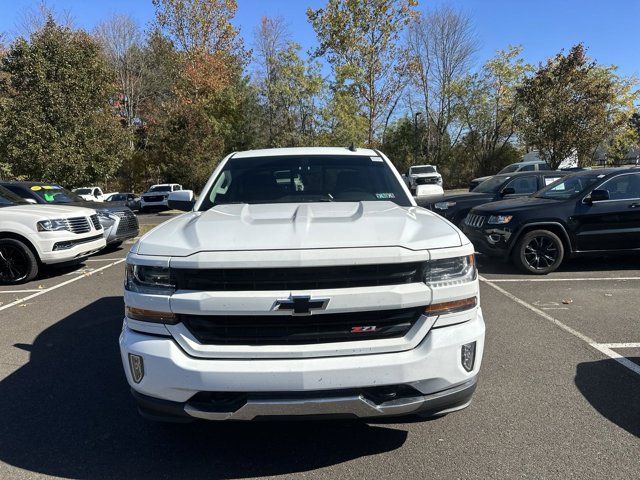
x,y
613,391
69,413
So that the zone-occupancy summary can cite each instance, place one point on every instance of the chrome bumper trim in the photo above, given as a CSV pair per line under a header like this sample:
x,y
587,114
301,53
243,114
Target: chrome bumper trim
x,y
446,401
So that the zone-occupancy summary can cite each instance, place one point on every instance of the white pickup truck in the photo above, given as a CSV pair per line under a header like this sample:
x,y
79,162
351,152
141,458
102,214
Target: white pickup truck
x,y
331,294
425,180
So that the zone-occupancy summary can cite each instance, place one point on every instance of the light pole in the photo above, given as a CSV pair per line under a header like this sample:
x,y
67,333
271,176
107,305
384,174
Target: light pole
x,y
415,136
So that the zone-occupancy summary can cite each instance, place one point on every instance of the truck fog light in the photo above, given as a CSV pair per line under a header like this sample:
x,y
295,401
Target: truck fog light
x,y
136,364
468,355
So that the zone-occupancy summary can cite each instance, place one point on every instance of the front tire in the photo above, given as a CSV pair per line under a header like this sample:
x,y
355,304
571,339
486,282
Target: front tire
x,y
18,264
539,252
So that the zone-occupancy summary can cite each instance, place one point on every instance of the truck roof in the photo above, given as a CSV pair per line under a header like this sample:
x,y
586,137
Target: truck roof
x,y
296,151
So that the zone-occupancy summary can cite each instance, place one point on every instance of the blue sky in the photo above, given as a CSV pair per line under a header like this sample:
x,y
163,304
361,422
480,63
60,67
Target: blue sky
x,y
609,28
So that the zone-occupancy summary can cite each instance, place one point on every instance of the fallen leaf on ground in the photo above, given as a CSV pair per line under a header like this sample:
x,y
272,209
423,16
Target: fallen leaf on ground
x,y
567,301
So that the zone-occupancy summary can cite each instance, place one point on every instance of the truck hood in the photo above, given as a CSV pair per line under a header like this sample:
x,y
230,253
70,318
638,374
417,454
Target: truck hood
x,y
45,211
242,227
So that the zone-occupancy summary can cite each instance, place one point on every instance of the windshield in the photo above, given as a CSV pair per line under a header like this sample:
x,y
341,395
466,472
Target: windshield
x,y
118,197
510,168
160,188
305,179
55,194
491,186
8,198
83,191
421,170
569,187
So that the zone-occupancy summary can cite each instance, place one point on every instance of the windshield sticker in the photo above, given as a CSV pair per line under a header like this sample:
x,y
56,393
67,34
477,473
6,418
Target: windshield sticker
x,y
376,159
49,197
35,188
383,196
47,187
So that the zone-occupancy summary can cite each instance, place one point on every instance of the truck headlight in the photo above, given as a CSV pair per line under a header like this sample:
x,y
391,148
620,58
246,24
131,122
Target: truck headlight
x,y
444,205
450,271
52,225
499,219
149,279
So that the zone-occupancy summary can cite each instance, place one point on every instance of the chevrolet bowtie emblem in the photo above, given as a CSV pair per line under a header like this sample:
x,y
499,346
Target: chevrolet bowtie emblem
x,y
301,305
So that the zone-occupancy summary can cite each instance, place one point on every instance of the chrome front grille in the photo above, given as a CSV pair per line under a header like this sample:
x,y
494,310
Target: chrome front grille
x,y
96,222
475,221
78,224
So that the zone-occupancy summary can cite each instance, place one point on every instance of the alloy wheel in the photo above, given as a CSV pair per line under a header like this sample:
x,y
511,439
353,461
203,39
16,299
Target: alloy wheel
x,y
14,264
540,253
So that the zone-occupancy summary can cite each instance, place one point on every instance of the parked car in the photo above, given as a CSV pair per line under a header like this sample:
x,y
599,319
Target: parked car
x,y
128,199
342,298
90,194
593,211
425,180
156,197
455,206
529,166
119,222
31,235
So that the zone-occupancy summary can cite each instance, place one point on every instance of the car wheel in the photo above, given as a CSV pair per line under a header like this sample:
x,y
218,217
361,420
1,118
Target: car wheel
x,y
18,264
539,252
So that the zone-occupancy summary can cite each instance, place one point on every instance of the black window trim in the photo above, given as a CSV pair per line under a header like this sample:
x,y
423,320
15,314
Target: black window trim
x,y
605,181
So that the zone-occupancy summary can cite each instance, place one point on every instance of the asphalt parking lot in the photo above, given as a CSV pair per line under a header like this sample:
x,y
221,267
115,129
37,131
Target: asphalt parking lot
x,y
559,395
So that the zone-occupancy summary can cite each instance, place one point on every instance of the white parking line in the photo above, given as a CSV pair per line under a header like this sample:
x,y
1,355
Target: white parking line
x,y
21,291
620,345
103,259
602,348
46,290
527,280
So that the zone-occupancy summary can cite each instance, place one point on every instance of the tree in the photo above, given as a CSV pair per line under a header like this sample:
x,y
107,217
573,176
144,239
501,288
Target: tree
x,y
566,107
441,46
288,87
489,111
202,31
56,123
212,103
360,41
122,42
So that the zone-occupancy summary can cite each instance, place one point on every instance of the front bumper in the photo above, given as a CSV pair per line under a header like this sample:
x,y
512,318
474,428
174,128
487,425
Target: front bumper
x,y
81,248
149,204
481,241
308,386
324,404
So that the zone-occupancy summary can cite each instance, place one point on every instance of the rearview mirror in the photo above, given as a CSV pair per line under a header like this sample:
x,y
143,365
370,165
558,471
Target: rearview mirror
x,y
507,191
597,196
182,200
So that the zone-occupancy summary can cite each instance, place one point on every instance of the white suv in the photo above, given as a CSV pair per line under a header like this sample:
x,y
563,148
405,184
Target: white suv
x,y
332,294
31,235
157,196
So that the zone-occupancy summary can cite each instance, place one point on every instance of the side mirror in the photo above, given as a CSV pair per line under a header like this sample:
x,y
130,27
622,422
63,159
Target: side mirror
x,y
507,191
182,200
597,196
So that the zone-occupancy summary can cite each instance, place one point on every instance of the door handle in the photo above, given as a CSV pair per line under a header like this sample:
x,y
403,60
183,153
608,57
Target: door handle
x,y
634,205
